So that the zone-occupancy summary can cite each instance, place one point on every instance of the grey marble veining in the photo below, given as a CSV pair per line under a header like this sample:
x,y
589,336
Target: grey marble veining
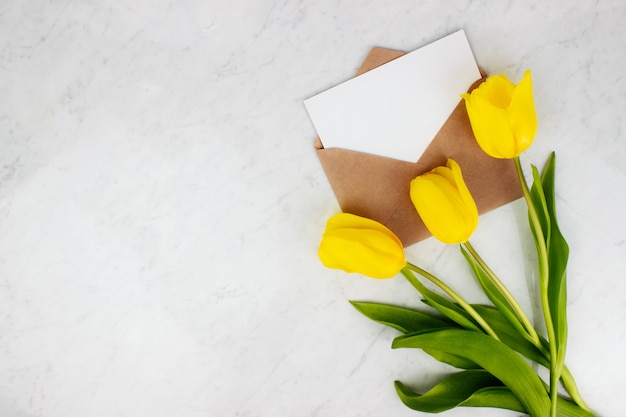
x,y
161,203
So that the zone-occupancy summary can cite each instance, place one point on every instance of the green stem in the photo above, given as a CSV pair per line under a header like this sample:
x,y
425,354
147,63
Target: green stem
x,y
450,292
532,333
542,253
566,377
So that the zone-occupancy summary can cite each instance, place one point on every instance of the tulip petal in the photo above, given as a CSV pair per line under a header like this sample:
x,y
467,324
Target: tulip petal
x,y
444,203
373,254
491,127
357,244
352,221
466,196
502,115
442,209
498,90
327,255
444,172
522,114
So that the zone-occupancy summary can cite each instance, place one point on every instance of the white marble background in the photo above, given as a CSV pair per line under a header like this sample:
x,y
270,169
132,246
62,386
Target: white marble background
x,y
161,203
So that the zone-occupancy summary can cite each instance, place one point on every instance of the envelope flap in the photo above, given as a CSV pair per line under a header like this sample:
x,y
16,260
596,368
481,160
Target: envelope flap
x,y
377,57
378,187
375,187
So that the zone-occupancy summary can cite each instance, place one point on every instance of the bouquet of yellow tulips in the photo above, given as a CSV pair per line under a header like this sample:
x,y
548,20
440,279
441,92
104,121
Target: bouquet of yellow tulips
x,y
491,345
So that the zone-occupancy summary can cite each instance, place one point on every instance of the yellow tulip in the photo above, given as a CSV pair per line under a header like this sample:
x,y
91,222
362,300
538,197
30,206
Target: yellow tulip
x,y
445,204
503,115
357,244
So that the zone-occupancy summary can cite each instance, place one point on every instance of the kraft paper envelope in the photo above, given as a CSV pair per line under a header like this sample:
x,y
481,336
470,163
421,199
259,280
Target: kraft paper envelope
x,y
377,187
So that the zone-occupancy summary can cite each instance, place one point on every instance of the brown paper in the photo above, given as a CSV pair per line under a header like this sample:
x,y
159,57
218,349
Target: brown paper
x,y
377,187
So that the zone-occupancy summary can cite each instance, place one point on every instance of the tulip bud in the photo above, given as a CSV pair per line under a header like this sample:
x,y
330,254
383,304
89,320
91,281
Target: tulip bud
x,y
357,244
445,204
503,116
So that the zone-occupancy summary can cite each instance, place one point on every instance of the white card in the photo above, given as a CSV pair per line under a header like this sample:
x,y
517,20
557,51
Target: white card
x,y
395,110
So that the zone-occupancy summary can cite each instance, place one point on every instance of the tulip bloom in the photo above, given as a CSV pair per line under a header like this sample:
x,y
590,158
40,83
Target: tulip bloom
x,y
503,115
445,204
357,244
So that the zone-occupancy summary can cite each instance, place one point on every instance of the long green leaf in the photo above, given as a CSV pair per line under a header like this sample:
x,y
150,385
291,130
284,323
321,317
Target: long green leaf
x,y
458,316
558,254
452,360
538,198
510,336
494,356
412,321
444,395
502,397
444,306
494,397
493,292
401,318
450,392
566,408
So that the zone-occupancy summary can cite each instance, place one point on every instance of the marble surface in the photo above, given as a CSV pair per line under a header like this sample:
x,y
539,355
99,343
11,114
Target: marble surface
x,y
161,203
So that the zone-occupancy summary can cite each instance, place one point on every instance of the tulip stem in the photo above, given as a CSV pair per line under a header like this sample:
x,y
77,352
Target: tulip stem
x,y
566,377
544,268
449,291
530,330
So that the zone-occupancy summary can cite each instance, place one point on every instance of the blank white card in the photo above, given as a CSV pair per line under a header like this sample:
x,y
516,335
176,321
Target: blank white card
x,y
395,110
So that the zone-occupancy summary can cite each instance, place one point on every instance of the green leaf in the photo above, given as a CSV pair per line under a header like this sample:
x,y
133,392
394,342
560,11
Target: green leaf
x,y
452,360
457,315
538,198
444,306
400,318
558,254
492,355
496,396
510,336
411,321
493,292
450,392
566,408
502,397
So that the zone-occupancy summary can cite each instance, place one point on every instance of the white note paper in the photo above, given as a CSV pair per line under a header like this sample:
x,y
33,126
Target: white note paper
x,y
395,110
